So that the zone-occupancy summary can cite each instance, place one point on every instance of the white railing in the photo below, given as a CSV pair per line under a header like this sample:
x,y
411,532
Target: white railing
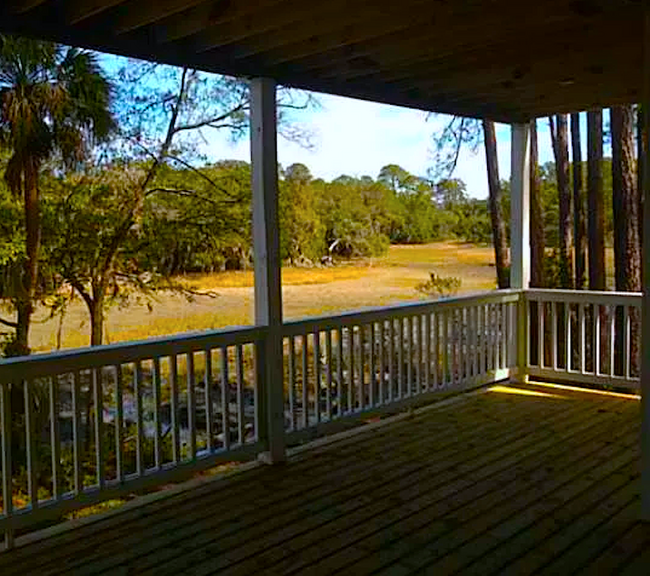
x,y
351,364
82,426
584,336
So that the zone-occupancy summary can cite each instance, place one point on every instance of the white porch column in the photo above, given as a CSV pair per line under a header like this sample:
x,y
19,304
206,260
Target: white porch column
x,y
645,306
520,236
266,251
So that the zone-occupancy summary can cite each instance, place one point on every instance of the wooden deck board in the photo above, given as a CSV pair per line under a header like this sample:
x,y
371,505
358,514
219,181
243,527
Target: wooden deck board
x,y
494,483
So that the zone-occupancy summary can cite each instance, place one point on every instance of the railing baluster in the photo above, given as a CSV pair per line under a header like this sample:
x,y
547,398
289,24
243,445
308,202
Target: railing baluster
x,y
239,370
597,346
473,314
417,347
305,380
30,444
480,339
582,351
567,336
554,334
339,383
292,383
540,333
382,365
119,424
157,424
55,438
329,367
173,388
191,403
612,339
427,351
465,331
98,398
400,358
442,338
371,358
351,363
409,356
627,343
76,432
7,461
317,374
209,402
391,359
139,426
225,398
361,384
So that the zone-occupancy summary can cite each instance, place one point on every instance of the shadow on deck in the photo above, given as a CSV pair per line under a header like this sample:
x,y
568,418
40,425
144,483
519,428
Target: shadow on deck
x,y
503,481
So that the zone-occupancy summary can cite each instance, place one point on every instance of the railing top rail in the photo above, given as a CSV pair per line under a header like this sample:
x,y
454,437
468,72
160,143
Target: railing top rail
x,y
324,322
123,352
584,296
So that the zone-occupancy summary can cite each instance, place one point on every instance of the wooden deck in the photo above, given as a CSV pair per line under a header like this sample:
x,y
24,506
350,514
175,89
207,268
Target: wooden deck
x,y
491,483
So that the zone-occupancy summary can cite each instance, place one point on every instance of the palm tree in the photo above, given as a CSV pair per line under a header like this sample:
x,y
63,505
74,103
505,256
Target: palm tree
x,y
54,102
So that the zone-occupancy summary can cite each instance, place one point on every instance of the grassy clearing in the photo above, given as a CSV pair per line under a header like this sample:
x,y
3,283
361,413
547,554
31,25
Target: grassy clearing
x,y
290,277
306,292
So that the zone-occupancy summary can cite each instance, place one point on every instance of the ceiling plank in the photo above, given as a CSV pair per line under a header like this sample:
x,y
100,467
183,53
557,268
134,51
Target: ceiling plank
x,y
136,14
206,15
76,12
22,6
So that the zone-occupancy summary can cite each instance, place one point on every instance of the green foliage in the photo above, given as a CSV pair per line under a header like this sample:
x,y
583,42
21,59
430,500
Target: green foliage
x,y
440,286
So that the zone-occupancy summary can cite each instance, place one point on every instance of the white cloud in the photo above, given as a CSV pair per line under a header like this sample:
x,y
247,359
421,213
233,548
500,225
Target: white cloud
x,y
358,138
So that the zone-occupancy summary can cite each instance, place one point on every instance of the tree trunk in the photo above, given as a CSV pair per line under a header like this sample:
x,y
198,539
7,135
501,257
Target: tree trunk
x,y
496,214
595,203
562,169
579,231
640,167
96,310
625,203
537,241
25,298
596,233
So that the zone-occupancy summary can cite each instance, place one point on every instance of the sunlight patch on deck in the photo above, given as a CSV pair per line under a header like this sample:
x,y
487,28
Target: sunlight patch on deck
x,y
511,390
627,395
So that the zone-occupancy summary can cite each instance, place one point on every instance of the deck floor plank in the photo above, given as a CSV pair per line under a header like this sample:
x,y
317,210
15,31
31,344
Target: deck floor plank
x,y
491,483
357,474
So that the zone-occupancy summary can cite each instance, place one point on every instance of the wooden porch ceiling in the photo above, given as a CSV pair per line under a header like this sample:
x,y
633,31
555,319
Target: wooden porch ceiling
x,y
507,60
494,483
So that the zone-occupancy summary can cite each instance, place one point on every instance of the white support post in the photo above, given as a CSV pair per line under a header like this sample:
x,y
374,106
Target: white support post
x,y
645,304
266,251
520,237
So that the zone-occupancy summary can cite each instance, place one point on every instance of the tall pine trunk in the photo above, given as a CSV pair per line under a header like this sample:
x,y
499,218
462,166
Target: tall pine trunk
x,y
595,201
596,233
537,240
625,204
496,213
561,149
579,231
564,196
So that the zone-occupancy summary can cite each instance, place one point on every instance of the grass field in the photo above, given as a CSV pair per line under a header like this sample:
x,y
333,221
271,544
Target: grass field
x,y
306,292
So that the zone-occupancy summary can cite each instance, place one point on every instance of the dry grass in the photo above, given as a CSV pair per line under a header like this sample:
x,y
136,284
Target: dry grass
x,y
290,277
307,292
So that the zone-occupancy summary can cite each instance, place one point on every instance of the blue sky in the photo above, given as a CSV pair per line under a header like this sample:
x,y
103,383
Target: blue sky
x,y
357,138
